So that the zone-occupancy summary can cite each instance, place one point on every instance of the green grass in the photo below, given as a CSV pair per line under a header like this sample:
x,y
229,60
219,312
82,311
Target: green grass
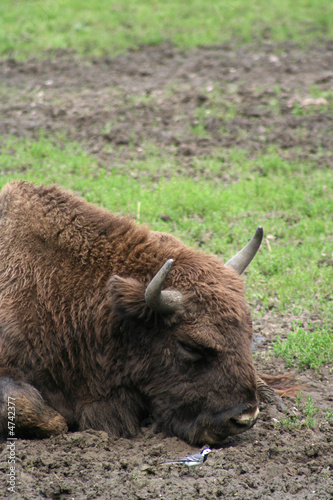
x,y
310,348
302,415
109,27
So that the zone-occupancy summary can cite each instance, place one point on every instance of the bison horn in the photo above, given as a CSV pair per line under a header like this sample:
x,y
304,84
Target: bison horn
x,y
243,258
166,301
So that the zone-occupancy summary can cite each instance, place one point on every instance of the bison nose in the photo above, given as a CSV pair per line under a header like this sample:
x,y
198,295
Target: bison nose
x,y
230,423
247,418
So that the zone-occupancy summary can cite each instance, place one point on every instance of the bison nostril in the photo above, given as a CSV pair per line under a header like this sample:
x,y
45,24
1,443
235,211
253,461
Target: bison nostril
x,y
247,418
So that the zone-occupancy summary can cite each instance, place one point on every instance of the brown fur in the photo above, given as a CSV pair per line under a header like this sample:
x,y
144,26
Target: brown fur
x,y
73,319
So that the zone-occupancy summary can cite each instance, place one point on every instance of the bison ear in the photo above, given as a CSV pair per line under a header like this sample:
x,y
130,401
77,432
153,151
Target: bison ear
x,y
128,296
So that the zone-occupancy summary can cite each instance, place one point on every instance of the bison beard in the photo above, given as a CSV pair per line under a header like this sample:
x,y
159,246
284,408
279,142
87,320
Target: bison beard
x,y
104,323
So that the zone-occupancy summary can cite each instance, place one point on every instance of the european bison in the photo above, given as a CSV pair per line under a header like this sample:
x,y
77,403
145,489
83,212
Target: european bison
x,y
104,323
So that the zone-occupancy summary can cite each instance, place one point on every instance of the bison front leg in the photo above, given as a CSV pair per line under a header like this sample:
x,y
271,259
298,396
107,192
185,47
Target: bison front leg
x,y
268,395
270,388
24,412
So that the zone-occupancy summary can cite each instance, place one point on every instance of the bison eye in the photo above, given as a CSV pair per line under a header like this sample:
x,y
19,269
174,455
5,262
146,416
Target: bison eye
x,y
188,352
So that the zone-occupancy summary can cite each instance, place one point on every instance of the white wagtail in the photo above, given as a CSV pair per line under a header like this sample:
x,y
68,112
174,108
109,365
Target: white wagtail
x,y
196,459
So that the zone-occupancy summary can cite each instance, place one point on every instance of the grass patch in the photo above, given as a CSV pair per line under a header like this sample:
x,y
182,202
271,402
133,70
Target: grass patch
x,y
109,27
44,162
302,415
311,348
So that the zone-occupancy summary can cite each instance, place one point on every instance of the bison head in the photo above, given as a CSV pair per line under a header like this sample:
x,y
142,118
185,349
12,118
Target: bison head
x,y
195,372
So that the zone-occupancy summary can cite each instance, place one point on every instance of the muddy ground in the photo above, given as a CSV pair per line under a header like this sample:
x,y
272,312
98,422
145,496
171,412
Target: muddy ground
x,y
189,105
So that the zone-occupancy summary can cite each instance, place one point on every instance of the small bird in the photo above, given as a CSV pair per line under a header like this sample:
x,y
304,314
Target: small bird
x,y
196,459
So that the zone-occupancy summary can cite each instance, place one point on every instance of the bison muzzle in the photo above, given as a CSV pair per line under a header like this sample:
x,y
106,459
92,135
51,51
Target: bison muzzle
x,y
104,323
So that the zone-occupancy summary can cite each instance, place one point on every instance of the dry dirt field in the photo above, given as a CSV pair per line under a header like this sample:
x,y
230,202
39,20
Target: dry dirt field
x,y
152,95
